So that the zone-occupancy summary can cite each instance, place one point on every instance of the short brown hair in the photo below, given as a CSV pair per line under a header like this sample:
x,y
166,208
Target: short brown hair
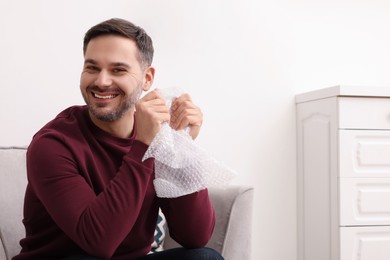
x,y
126,29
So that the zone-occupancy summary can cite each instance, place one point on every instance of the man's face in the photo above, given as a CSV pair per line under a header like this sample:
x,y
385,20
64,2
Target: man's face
x,y
112,79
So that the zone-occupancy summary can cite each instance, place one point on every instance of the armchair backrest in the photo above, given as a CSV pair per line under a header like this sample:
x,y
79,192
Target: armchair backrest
x,y
13,181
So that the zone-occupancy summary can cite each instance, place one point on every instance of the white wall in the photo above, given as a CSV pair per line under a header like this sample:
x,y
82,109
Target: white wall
x,y
242,60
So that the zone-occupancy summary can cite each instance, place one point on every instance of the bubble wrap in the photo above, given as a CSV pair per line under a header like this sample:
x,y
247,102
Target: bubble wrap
x,y
181,166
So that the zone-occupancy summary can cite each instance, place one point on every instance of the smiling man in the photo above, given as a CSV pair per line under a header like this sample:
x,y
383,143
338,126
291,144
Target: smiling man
x,y
90,195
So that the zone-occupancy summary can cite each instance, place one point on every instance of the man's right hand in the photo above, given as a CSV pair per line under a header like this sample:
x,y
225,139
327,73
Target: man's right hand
x,y
151,112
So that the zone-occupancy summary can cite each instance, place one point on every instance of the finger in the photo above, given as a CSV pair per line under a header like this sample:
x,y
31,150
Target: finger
x,y
188,117
180,100
159,109
156,103
146,104
185,108
188,121
184,97
194,122
180,107
161,117
194,131
194,114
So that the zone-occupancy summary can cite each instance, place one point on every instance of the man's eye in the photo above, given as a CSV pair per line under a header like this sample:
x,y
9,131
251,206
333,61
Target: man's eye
x,y
91,68
118,70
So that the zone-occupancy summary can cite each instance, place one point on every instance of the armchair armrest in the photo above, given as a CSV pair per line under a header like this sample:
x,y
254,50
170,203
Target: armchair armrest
x,y
233,229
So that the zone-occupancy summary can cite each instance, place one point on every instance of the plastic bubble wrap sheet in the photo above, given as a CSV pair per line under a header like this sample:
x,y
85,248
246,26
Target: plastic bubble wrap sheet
x,y
181,166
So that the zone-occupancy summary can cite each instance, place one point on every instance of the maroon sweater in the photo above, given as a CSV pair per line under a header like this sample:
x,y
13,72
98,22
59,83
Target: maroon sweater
x,y
89,192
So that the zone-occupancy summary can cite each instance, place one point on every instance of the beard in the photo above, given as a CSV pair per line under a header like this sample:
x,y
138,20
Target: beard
x,y
117,112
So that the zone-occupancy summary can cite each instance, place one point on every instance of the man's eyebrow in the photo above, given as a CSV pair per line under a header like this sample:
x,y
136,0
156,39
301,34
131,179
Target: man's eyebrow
x,y
90,61
114,64
120,64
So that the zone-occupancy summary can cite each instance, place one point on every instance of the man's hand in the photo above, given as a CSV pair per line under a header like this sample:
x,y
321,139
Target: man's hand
x,y
151,112
185,113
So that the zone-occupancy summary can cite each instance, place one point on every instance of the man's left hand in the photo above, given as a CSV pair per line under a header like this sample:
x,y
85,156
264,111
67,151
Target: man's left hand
x,y
185,113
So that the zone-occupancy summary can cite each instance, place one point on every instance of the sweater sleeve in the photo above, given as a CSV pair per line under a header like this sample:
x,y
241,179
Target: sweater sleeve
x,y
190,218
98,223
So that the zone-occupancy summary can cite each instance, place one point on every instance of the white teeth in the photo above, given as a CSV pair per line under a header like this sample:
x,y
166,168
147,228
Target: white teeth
x,y
103,97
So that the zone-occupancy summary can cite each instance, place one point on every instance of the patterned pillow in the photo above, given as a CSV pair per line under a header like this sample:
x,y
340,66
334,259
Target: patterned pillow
x,y
159,233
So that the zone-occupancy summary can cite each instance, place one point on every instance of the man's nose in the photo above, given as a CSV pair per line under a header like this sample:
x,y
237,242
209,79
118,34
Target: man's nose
x,y
103,79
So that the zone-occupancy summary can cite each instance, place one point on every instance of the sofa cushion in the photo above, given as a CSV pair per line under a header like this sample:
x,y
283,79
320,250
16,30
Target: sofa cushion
x,y
2,250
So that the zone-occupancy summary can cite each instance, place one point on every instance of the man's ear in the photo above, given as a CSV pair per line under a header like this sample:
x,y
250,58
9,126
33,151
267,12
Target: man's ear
x,y
148,78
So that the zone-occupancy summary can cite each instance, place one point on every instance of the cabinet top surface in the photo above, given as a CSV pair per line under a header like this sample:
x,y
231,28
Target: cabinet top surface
x,y
346,91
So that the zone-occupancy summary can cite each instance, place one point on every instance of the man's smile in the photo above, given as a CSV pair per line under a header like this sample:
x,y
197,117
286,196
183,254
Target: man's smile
x,y
103,96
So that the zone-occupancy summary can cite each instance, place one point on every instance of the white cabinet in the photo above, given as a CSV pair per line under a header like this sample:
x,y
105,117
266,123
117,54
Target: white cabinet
x,y
343,153
365,243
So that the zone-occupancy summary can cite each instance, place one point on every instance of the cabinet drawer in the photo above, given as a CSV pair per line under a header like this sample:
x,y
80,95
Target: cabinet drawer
x,y
364,201
364,113
364,153
365,243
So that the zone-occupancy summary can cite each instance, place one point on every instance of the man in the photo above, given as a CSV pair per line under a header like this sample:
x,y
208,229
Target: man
x,y
90,195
